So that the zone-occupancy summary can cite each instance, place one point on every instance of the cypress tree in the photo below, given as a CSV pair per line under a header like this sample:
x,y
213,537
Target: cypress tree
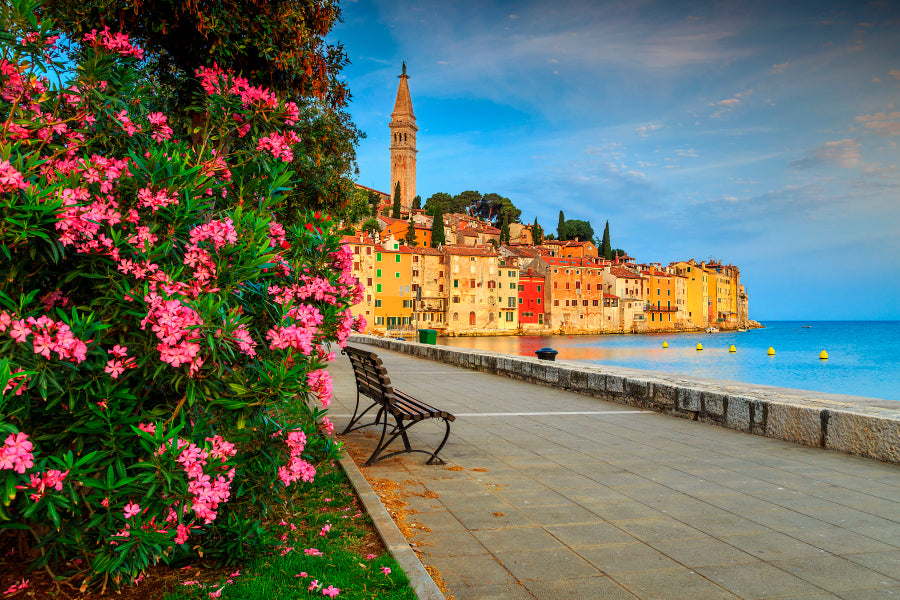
x,y
417,202
437,228
605,247
410,238
396,211
560,229
504,230
537,234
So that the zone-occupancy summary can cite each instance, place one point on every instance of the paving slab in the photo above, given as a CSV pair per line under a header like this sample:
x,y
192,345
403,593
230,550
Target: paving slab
x,y
551,494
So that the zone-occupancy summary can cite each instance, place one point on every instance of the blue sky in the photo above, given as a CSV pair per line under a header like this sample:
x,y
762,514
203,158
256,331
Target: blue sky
x,y
759,133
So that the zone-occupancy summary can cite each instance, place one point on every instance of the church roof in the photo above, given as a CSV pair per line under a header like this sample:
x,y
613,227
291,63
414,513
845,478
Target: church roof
x,y
403,104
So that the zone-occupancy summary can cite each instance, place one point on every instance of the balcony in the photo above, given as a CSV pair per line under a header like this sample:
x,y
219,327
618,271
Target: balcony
x,y
660,309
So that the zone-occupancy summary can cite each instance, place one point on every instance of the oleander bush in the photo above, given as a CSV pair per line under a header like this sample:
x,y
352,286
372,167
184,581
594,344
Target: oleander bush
x,y
162,337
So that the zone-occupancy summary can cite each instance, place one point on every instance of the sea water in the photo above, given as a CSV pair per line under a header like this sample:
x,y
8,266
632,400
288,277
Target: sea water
x,y
863,356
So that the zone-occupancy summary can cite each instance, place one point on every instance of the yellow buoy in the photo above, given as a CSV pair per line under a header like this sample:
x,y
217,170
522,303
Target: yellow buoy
x,y
823,355
699,346
665,344
771,351
732,348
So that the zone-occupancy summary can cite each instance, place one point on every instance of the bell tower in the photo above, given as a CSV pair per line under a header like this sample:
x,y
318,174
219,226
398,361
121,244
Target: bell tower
x,y
403,145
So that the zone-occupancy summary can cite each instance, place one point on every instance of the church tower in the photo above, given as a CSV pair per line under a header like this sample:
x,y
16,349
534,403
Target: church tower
x,y
403,145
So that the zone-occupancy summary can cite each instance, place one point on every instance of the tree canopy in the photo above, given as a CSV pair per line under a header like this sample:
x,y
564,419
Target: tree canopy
x,y
537,233
575,228
490,207
437,228
395,211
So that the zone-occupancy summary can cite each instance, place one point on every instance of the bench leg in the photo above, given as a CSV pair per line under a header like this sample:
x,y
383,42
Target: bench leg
x,y
382,445
435,460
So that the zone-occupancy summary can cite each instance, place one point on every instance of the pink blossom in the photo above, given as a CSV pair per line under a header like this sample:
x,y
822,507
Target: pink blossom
x,y
148,427
312,552
17,587
314,585
132,509
16,453
331,591
386,570
324,531
320,384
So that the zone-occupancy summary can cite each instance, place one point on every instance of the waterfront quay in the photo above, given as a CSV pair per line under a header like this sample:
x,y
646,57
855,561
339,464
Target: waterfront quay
x,y
552,494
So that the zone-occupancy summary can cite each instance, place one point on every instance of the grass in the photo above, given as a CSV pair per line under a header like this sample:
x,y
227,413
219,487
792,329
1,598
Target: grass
x,y
352,558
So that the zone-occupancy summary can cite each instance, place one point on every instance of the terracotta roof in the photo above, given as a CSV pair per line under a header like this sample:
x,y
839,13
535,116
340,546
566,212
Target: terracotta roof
x,y
371,189
355,239
624,273
428,251
605,295
468,251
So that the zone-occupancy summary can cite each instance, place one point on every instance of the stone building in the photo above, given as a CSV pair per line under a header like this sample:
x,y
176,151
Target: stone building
x,y
403,145
429,276
631,290
472,278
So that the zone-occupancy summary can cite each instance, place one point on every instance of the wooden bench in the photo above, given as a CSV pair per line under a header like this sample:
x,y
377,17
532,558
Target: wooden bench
x,y
372,381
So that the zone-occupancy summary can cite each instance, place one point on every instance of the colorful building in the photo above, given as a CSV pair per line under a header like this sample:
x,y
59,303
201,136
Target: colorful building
x,y
393,286
534,310
473,280
696,286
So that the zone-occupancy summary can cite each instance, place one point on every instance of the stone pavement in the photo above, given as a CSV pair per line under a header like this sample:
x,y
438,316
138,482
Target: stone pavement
x,y
548,494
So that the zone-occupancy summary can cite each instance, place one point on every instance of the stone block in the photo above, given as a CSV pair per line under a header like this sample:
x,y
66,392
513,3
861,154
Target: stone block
x,y
689,399
564,377
578,381
637,391
713,405
665,395
865,435
738,414
596,384
796,423
489,363
615,385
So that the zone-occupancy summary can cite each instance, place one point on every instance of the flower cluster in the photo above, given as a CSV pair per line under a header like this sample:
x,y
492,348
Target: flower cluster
x,y
16,453
47,336
116,42
320,385
297,468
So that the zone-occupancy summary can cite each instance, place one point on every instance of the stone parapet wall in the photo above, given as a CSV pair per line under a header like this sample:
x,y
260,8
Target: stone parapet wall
x,y
854,425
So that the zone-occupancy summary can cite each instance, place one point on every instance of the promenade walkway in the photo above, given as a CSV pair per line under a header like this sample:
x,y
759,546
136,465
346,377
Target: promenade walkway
x,y
552,495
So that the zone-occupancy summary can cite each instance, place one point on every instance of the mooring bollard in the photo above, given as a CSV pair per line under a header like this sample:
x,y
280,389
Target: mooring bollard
x,y
546,354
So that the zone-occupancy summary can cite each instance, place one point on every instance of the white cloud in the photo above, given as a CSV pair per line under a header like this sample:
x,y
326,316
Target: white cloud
x,y
842,153
779,68
724,106
882,123
644,130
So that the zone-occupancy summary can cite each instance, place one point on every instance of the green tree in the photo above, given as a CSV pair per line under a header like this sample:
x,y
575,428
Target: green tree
x,y
576,228
417,202
410,238
395,211
537,233
560,228
504,231
374,202
437,201
370,226
465,201
437,229
605,247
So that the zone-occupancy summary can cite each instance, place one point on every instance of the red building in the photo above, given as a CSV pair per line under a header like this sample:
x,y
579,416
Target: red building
x,y
532,299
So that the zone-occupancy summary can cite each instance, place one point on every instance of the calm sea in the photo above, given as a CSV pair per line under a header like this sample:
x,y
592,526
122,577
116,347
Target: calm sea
x,y
863,356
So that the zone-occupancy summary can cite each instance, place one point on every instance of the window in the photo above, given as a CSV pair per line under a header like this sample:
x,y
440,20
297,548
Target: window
x,y
415,258
378,256
355,249
415,286
521,300
377,303
555,285
407,304
455,299
396,258
455,316
378,288
441,288
512,273
539,288
472,317
379,320
509,316
595,302
577,285
472,283
584,302
513,286
377,272
405,320
396,274
369,282
415,272
539,300
368,252
521,288
567,285
456,283
556,303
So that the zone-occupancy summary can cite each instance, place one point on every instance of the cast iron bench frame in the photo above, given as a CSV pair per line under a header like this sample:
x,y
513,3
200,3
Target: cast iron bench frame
x,y
373,382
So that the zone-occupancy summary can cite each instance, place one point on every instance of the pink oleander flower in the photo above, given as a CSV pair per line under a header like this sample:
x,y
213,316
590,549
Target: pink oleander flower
x,y
148,427
16,453
312,552
386,570
324,531
370,556
132,509
17,587
314,585
331,591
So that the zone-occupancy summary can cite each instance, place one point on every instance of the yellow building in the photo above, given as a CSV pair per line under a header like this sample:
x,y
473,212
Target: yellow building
x,y
508,293
363,249
696,282
392,282
661,305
